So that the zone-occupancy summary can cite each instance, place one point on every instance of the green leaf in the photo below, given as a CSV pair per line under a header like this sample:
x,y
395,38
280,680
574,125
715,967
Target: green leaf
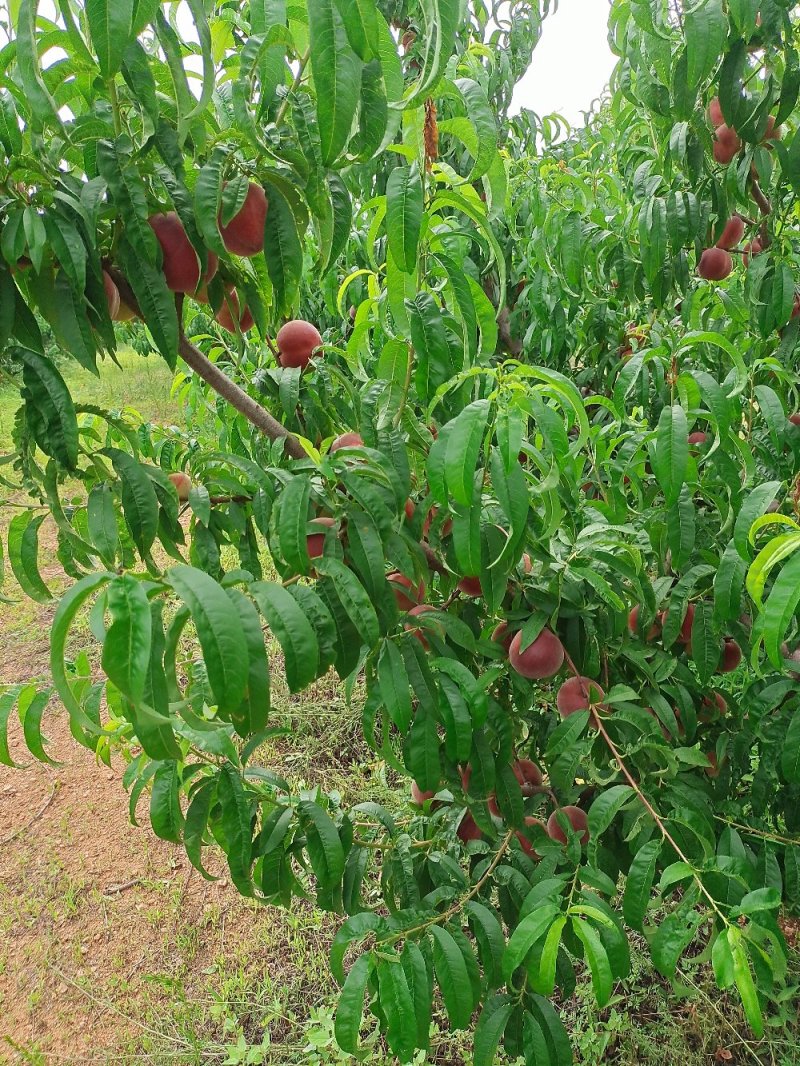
x,y
283,250
337,77
729,585
790,751
397,1006
604,810
404,209
780,608
49,409
165,808
602,978
7,701
236,820
110,25
295,633
31,706
102,522
360,19
23,551
745,984
432,361
195,827
489,1030
452,976
219,632
752,508
639,883
671,939
706,27
42,106
353,597
488,933
441,20
705,645
394,685
292,523
126,648
139,500
252,715
464,444
350,1008
671,455
532,927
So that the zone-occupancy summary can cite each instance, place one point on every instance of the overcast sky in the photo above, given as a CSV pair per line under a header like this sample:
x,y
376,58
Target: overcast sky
x,y
571,63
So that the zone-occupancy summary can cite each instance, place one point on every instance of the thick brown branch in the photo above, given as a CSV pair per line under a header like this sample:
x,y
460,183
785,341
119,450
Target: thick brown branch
x,y
219,381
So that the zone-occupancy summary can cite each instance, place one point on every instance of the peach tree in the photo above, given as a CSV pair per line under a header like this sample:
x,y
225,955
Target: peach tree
x,y
475,425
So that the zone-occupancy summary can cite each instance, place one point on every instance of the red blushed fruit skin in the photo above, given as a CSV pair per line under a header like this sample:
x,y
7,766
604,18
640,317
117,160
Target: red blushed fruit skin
x,y
447,525
685,635
112,296
423,608
525,844
468,829
229,309
180,263
347,440
732,234
528,774
698,437
715,113
731,657
182,483
713,769
409,508
751,250
772,132
726,144
530,781
470,586
633,625
577,819
711,706
543,658
715,264
571,697
501,635
795,418
526,563
418,797
315,541
401,586
296,342
244,234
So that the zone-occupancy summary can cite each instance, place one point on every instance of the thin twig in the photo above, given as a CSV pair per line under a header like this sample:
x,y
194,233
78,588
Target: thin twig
x,y
219,381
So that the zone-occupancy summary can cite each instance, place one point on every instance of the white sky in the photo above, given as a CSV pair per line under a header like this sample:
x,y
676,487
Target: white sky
x,y
571,63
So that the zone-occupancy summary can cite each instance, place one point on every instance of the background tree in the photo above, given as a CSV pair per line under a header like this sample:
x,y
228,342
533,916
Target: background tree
x,y
324,212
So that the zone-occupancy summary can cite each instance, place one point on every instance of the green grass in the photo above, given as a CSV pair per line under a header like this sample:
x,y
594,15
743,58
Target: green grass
x,y
245,984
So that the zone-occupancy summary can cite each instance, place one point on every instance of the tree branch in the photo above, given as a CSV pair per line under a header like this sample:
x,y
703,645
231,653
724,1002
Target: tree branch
x,y
219,381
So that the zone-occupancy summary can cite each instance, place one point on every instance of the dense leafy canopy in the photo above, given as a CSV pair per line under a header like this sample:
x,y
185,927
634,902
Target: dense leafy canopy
x,y
572,432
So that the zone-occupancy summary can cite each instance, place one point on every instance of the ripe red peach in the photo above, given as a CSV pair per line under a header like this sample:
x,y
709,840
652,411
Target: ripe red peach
x,y
543,658
470,586
180,263
182,483
244,234
296,342
732,233
715,264
315,541
230,312
731,657
112,296
347,440
406,593
577,819
578,694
